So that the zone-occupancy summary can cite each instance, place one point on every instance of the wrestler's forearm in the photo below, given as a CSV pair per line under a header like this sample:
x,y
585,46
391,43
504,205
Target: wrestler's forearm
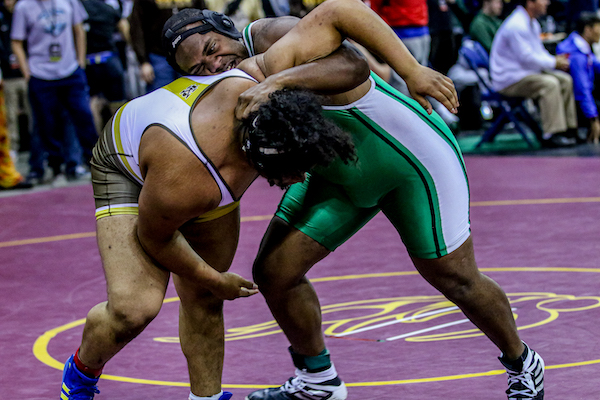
x,y
323,30
341,71
175,254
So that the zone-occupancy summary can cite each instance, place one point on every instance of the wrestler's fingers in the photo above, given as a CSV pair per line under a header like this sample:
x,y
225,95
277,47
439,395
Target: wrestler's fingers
x,y
245,292
424,103
447,97
453,94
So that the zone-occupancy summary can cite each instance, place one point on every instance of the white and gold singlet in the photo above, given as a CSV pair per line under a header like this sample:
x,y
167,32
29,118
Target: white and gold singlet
x,y
169,107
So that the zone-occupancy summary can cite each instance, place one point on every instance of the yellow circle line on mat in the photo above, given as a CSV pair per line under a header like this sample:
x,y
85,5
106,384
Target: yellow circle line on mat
x,y
40,347
267,217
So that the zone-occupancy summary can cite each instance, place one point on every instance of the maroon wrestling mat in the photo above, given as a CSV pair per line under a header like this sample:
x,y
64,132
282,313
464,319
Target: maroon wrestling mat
x,y
536,229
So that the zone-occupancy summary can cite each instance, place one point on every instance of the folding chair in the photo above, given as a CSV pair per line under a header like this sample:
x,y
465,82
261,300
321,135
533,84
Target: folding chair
x,y
512,109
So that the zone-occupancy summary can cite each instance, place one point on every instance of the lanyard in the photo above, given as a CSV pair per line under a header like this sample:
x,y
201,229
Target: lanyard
x,y
52,15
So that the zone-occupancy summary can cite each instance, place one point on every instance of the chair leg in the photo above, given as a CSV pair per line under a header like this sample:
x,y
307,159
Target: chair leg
x,y
496,127
519,128
531,123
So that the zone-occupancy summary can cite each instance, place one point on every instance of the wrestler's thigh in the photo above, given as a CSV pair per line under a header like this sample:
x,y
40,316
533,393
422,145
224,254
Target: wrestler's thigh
x,y
131,275
286,254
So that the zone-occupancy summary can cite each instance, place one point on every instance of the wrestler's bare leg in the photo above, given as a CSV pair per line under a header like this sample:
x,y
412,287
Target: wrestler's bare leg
x,y
285,255
135,285
201,329
457,277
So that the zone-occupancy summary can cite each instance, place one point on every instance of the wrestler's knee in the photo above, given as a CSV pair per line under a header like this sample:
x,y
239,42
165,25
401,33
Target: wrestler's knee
x,y
272,276
131,314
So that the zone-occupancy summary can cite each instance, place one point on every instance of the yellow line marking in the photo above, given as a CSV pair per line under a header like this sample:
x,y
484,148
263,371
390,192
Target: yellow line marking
x,y
93,234
47,239
40,347
267,217
535,201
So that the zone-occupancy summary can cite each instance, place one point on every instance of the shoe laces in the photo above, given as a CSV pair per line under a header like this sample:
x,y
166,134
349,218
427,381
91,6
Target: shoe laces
x,y
83,393
294,385
523,383
305,390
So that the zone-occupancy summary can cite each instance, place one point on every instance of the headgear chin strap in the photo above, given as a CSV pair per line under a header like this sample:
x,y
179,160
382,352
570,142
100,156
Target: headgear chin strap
x,y
213,21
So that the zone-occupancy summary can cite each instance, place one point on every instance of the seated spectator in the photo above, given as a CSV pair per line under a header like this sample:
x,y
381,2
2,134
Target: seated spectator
x,y
486,23
584,67
520,66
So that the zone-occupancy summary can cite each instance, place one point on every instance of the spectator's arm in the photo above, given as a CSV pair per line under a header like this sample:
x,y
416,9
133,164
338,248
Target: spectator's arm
x,y
583,86
123,27
596,65
80,44
136,32
19,50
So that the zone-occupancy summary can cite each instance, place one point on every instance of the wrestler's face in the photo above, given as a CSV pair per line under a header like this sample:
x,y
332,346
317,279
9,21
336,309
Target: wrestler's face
x,y
209,54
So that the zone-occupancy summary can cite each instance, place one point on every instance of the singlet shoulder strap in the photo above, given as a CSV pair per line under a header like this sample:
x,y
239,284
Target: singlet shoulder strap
x,y
248,41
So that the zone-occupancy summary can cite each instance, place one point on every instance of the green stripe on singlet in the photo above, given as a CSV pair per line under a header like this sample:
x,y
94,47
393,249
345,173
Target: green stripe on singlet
x,y
438,126
248,40
424,175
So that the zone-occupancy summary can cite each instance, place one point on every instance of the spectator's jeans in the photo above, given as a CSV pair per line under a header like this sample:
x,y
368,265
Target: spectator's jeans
x,y
163,72
49,101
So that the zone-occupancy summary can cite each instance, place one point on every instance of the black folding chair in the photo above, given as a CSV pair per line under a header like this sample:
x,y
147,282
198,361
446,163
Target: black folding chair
x,y
512,109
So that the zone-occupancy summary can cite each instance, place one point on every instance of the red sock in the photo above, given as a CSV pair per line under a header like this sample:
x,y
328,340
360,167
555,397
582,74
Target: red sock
x,y
92,373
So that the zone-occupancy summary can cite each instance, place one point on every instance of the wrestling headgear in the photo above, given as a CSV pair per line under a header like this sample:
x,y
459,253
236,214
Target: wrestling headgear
x,y
213,21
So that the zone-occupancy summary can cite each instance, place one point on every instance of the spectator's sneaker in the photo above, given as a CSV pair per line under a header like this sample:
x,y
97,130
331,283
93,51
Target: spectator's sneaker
x,y
297,389
528,383
78,173
76,385
34,178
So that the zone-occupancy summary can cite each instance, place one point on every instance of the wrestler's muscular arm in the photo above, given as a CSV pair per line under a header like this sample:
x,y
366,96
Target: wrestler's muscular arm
x,y
177,188
351,68
323,30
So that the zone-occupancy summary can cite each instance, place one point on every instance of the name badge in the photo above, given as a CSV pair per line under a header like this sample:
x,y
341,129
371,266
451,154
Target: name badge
x,y
55,52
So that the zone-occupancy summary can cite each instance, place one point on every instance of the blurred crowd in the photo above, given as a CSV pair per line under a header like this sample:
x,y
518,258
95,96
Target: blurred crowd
x,y
67,65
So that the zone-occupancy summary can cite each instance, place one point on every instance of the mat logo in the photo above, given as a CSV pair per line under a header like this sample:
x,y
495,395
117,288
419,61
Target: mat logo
x,y
187,92
419,318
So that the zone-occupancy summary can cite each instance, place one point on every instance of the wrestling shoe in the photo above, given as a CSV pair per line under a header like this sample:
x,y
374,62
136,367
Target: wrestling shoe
x,y
76,385
297,389
528,382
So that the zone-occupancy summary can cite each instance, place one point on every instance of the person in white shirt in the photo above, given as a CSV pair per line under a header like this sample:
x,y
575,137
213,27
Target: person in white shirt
x,y
520,66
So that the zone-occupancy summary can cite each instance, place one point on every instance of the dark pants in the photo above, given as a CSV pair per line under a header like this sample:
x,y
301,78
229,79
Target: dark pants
x,y
51,101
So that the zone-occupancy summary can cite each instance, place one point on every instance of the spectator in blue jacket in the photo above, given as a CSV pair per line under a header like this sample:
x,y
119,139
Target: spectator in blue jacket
x,y
583,68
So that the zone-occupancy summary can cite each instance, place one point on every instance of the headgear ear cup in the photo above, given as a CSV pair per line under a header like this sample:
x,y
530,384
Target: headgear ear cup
x,y
212,21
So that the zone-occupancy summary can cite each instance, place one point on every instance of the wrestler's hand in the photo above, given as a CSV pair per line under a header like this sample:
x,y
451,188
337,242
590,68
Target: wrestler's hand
x,y
231,286
427,82
250,100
